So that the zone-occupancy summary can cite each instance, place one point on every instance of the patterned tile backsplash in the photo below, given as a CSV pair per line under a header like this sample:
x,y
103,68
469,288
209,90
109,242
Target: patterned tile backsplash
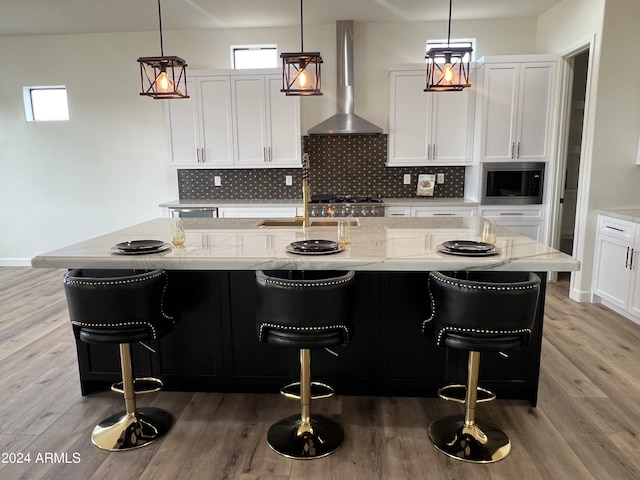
x,y
340,164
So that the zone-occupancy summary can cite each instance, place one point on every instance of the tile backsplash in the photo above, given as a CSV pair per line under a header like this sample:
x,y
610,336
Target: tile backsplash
x,y
340,164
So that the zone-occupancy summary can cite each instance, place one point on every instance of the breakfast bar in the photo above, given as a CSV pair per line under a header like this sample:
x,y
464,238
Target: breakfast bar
x,y
214,345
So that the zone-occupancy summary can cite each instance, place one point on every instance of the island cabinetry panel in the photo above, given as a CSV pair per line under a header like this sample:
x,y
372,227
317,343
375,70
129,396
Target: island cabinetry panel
x,y
616,279
235,121
252,364
215,347
428,128
516,112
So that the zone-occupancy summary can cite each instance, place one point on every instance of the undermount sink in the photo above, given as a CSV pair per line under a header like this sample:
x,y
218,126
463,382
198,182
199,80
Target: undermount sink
x,y
298,223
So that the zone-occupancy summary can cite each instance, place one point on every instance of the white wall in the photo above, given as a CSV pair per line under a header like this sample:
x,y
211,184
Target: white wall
x,y
106,168
609,177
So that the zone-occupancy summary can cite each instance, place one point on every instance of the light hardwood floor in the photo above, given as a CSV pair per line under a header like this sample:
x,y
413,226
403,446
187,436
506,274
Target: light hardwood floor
x,y
585,426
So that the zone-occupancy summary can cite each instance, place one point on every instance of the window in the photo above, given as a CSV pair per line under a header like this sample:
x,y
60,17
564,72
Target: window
x,y
42,104
254,56
459,43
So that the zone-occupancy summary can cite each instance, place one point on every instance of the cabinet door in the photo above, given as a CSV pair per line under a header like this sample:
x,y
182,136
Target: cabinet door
x,y
499,115
408,110
184,127
534,111
451,131
249,122
634,301
283,125
612,277
216,120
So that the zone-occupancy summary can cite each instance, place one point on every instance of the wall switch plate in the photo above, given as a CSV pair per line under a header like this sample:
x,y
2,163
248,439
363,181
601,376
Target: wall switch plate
x,y
407,179
217,181
288,180
440,178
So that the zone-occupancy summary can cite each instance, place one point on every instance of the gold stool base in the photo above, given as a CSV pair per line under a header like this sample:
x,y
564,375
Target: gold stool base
x,y
122,432
478,443
325,437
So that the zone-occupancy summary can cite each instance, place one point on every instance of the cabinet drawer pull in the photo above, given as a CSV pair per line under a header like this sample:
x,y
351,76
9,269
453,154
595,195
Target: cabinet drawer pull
x,y
444,214
511,214
609,227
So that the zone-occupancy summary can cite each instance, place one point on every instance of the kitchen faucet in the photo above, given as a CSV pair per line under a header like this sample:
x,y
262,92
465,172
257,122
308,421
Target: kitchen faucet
x,y
306,190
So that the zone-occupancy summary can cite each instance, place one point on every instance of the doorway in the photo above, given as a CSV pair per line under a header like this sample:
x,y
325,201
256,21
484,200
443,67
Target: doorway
x,y
577,91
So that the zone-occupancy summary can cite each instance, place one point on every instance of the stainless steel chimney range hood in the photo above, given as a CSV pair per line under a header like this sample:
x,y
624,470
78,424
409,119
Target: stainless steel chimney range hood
x,y
345,122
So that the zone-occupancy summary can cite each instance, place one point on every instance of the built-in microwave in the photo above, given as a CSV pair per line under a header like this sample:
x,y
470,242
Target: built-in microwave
x,y
516,183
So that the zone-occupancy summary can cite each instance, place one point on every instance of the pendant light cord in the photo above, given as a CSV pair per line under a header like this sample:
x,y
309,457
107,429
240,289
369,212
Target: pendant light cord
x,y
160,23
301,29
449,29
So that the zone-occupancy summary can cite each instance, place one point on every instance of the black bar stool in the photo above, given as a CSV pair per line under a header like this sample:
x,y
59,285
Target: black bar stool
x,y
478,312
304,309
122,307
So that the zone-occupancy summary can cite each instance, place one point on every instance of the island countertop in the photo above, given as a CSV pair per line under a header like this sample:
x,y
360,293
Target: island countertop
x,y
377,244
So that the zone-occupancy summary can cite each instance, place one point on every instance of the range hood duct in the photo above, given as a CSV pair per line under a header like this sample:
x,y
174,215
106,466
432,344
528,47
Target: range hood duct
x,y
345,122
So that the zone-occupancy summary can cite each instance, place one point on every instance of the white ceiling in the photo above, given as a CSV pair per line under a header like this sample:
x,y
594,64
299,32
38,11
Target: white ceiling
x,y
29,17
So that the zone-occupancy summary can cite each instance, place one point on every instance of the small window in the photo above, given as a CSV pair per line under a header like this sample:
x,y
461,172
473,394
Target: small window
x,y
254,56
460,43
43,104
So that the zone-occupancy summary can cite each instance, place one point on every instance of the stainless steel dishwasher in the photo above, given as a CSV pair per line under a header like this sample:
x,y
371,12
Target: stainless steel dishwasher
x,y
193,212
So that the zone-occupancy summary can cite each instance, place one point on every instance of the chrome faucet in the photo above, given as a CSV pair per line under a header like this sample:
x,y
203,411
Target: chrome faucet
x,y
306,190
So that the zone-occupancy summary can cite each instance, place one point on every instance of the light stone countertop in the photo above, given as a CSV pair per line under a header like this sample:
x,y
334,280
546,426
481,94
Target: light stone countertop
x,y
628,214
377,244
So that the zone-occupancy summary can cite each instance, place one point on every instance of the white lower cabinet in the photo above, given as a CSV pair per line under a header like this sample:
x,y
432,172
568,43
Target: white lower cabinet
x,y
420,211
527,220
443,211
615,279
257,212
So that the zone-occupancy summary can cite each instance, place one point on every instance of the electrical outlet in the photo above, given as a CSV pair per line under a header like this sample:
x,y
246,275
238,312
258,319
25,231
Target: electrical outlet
x,y
288,180
407,179
440,178
217,181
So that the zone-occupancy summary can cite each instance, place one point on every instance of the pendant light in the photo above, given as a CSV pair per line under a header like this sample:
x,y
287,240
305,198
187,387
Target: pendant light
x,y
163,77
447,68
301,71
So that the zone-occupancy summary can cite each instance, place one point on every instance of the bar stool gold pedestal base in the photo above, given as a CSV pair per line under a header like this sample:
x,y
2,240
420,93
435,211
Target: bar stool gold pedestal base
x,y
322,437
122,431
477,443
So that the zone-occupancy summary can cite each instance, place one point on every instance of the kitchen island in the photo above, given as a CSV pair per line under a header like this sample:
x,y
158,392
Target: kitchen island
x,y
214,345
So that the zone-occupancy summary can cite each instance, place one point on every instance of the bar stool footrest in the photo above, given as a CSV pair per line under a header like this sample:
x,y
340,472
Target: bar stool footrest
x,y
319,391
141,385
456,393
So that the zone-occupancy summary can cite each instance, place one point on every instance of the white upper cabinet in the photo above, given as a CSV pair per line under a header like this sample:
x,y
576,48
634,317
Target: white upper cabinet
x,y
428,128
267,122
201,126
516,112
235,121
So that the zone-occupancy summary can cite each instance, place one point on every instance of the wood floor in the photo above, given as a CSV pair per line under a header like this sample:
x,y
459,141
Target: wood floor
x,y
586,424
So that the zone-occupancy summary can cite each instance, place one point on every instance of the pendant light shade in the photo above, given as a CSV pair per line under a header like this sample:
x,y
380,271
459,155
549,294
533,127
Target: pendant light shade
x,y
163,77
301,72
448,67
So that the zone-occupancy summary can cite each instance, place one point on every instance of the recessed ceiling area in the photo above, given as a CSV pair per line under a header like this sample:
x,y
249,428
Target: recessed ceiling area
x,y
42,17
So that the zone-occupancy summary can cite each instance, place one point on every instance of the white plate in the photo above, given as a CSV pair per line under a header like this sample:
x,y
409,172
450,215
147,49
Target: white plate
x,y
290,249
